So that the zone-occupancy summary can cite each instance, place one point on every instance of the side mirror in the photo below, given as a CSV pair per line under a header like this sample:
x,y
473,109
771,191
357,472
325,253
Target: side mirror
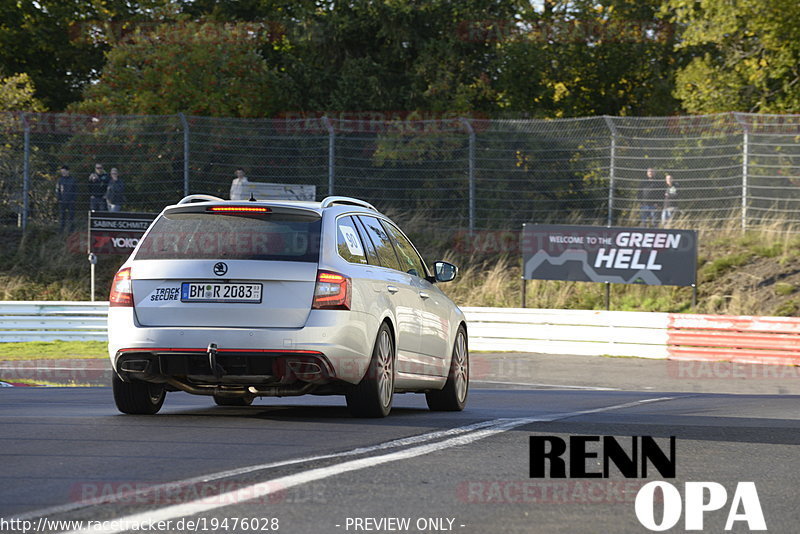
x,y
444,271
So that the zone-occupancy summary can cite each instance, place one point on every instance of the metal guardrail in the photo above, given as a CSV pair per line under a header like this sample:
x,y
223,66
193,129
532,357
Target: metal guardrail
x,y
773,340
52,320
582,332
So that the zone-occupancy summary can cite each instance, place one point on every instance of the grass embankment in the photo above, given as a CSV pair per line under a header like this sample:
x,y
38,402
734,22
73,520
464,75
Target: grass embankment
x,y
752,273
53,350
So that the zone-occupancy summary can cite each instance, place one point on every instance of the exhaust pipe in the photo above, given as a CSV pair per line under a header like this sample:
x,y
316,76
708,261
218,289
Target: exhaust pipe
x,y
282,391
210,390
276,391
134,366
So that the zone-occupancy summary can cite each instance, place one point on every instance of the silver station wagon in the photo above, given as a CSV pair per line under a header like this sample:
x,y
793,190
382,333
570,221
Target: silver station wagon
x,y
245,299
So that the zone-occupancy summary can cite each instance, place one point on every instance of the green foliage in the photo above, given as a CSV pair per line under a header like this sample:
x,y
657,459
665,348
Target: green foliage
x,y
17,94
197,68
486,56
588,58
49,40
746,55
768,251
558,58
715,268
789,308
390,56
783,289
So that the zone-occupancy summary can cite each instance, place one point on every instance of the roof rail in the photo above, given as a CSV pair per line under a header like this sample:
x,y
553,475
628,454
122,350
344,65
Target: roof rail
x,y
196,198
330,201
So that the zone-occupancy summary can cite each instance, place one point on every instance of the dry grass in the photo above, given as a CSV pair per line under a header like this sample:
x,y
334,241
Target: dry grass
x,y
486,284
44,264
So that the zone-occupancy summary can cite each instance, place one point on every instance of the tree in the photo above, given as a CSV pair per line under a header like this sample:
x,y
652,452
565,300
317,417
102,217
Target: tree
x,y
747,55
579,58
197,68
17,94
390,56
56,42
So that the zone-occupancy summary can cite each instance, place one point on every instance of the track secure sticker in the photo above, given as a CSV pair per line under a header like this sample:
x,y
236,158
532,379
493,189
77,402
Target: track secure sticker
x,y
165,294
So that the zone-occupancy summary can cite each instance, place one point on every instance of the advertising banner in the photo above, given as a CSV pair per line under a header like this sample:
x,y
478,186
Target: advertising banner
x,y
266,191
117,232
651,256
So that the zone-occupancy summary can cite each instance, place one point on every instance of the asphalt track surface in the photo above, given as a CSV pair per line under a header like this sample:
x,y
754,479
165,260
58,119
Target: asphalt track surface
x,y
67,454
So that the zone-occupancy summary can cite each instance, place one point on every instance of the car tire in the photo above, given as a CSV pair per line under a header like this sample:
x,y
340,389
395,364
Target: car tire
x,y
233,401
372,397
453,397
137,397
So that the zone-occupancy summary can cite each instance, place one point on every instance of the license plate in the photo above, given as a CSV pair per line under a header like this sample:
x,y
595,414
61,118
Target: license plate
x,y
211,292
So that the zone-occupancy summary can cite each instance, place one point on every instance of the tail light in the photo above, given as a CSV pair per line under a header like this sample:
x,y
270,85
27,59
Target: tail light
x,y
332,291
121,289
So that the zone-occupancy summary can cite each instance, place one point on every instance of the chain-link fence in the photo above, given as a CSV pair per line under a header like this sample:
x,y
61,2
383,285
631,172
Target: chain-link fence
x,y
461,172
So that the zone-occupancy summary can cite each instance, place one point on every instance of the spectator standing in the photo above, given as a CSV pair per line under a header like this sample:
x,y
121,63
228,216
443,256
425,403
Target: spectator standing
x,y
66,194
238,184
670,193
649,198
98,184
115,192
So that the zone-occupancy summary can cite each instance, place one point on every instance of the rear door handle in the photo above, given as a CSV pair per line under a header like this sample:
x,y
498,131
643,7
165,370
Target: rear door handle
x,y
392,289
424,294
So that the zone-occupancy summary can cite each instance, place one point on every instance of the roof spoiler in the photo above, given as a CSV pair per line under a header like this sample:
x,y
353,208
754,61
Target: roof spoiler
x,y
330,201
198,198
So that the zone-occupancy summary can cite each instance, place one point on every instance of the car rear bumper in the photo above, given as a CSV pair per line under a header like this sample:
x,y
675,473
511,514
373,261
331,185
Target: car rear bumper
x,y
338,341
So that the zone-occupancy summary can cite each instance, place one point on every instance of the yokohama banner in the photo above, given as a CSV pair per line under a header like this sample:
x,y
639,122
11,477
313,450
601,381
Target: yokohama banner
x,y
652,256
116,232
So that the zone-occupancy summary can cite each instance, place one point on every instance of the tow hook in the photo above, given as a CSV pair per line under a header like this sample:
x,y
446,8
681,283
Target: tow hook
x,y
216,369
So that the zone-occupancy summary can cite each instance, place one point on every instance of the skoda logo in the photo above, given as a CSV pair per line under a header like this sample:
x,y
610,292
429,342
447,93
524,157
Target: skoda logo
x,y
220,268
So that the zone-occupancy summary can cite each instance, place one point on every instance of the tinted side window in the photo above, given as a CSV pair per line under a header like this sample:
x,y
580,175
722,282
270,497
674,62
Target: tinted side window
x,y
409,259
369,248
348,243
383,245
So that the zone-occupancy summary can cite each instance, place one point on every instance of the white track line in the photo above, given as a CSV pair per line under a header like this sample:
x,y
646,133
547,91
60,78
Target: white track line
x,y
554,386
261,489
413,440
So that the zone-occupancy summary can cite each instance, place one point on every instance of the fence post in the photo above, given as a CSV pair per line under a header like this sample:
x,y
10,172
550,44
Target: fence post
x,y
745,165
331,155
26,172
611,171
185,125
471,171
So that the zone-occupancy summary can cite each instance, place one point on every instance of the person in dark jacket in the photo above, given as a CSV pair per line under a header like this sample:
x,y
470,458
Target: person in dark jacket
x,y
650,196
115,193
66,194
670,194
98,184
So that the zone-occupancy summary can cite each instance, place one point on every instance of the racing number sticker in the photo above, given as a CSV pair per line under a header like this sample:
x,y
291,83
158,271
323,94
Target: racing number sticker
x,y
351,239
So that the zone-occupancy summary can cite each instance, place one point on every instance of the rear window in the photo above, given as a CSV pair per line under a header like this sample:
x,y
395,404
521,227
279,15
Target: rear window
x,y
208,236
